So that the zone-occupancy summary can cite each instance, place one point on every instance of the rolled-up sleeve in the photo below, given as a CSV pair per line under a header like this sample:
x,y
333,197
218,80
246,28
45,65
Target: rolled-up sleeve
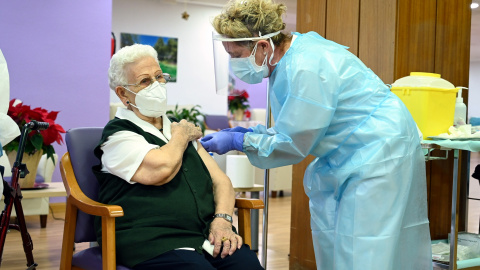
x,y
123,152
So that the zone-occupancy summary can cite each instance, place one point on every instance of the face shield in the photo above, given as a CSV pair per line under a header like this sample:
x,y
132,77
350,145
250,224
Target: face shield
x,y
224,77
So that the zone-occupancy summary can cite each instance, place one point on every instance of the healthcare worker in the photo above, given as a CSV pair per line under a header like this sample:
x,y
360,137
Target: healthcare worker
x,y
367,186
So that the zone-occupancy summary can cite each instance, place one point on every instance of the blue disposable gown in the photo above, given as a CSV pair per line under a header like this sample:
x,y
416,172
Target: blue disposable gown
x,y
367,185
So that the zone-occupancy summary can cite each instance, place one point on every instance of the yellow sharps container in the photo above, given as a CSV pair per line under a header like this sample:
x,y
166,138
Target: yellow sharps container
x,y
430,99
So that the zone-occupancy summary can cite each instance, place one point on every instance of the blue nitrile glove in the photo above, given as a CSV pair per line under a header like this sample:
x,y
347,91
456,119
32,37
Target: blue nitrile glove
x,y
238,129
222,142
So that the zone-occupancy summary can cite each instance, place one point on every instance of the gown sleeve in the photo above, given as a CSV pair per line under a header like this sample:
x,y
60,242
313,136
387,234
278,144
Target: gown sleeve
x,y
304,106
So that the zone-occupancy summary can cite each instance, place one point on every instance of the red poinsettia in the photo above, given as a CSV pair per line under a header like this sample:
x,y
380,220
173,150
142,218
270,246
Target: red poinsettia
x,y
36,140
248,114
238,100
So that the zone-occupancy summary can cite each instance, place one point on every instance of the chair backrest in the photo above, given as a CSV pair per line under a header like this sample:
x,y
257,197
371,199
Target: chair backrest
x,y
80,144
217,122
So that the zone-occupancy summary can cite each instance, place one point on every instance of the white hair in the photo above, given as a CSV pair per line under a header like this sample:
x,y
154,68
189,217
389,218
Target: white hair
x,y
126,55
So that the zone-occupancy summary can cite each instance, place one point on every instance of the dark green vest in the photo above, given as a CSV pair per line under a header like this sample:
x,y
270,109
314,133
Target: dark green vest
x,y
157,218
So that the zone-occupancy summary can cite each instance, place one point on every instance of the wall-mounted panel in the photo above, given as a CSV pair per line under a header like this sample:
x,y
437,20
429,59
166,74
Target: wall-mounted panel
x,y
311,16
452,61
377,36
342,23
415,37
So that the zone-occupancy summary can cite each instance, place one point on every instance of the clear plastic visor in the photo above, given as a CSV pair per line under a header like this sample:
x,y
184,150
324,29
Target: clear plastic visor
x,y
224,77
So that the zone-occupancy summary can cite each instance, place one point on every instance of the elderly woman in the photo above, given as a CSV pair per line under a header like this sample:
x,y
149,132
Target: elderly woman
x,y
177,202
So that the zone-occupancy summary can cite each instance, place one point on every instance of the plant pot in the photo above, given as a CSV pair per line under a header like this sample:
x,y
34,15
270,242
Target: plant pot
x,y
32,164
238,114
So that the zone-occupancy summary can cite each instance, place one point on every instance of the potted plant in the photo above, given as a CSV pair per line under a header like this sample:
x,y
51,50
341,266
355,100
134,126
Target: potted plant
x,y
193,115
37,143
238,103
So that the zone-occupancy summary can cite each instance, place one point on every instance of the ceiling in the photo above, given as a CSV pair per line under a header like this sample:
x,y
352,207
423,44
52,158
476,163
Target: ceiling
x,y
291,19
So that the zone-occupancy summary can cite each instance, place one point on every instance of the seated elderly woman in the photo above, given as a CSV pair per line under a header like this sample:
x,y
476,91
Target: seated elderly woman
x,y
177,201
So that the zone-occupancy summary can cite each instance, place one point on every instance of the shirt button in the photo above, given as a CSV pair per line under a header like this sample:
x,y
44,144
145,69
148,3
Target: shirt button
x,y
185,169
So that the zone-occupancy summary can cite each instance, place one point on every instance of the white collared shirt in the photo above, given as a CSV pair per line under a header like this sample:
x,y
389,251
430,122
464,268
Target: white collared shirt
x,y
124,151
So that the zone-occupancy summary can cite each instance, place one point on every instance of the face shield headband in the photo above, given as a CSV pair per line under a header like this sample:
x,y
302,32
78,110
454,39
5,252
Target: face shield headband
x,y
260,37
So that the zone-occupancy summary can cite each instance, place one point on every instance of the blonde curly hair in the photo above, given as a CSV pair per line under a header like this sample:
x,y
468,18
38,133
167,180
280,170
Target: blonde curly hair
x,y
246,18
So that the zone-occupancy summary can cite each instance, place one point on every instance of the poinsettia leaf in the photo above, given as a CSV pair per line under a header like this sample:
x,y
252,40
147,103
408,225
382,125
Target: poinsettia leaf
x,y
37,141
52,115
49,150
29,148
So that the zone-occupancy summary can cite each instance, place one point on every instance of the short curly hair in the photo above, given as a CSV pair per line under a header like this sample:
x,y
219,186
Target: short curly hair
x,y
124,56
248,18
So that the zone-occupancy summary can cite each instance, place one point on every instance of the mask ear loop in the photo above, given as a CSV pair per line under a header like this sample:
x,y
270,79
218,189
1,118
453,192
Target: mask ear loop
x,y
254,49
253,54
265,60
273,52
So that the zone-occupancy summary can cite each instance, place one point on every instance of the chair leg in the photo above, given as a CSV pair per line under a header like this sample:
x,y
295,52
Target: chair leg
x,y
108,243
43,221
68,236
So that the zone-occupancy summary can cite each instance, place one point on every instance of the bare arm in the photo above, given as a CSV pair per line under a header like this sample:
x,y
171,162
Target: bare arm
x,y
223,193
162,164
224,197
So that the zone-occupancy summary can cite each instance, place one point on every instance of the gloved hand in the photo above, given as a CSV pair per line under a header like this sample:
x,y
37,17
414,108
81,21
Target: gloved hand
x,y
222,142
238,129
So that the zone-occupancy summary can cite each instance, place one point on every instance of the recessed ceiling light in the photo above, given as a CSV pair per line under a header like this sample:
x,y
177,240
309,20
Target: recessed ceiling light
x,y
474,5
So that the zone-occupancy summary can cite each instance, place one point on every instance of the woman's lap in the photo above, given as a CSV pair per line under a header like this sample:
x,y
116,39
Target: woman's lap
x,y
242,259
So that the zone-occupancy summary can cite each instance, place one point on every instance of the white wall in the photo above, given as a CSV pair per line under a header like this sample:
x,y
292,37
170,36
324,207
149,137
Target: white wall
x,y
474,90
195,75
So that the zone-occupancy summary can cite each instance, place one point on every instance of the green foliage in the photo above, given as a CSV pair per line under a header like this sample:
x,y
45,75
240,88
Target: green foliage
x,y
167,52
193,115
128,39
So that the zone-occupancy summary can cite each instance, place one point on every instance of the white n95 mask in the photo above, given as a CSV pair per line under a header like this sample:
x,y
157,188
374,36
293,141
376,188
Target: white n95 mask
x,y
247,70
152,100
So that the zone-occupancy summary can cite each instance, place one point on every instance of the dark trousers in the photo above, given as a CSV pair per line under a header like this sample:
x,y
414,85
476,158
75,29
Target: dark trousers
x,y
242,259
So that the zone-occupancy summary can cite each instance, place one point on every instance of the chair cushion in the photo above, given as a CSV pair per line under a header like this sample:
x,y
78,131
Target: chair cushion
x,y
216,122
91,259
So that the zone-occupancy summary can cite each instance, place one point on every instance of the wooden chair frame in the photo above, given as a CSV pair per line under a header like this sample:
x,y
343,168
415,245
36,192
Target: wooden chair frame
x,y
77,200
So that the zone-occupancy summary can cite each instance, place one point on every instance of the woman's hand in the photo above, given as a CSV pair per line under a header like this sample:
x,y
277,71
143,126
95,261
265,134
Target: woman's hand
x,y
221,234
187,129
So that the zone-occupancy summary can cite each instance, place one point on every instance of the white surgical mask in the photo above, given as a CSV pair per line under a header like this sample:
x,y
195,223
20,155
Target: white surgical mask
x,y
152,100
247,70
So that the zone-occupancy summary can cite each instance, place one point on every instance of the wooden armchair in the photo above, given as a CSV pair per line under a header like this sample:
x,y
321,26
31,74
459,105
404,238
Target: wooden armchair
x,y
82,189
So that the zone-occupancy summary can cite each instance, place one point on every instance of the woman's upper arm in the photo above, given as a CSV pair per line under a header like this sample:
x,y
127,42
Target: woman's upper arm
x,y
215,172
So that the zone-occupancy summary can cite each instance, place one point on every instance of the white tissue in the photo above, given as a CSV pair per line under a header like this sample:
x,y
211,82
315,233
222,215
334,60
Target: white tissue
x,y
463,131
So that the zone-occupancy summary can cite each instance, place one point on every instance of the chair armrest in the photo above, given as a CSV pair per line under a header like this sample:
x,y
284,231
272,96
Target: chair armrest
x,y
79,199
246,203
92,207
244,206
